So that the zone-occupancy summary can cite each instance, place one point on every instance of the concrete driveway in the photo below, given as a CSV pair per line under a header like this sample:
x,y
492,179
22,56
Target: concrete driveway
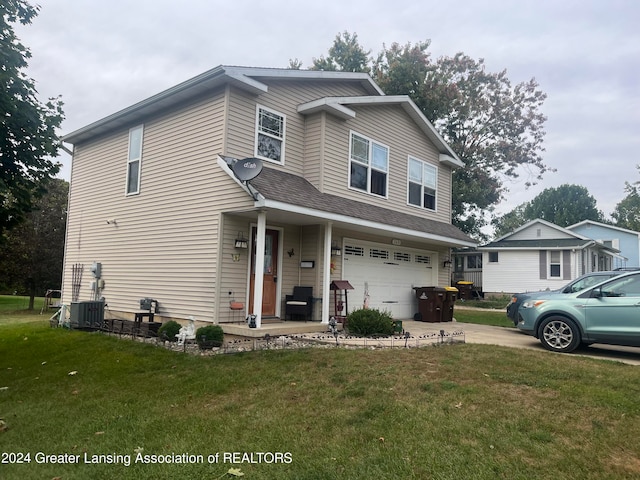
x,y
512,337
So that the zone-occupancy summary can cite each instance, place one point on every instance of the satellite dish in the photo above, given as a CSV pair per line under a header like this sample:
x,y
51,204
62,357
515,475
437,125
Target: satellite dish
x,y
247,169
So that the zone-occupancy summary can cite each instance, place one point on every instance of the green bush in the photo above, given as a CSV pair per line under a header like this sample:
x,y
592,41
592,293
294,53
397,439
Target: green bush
x,y
369,322
209,336
169,330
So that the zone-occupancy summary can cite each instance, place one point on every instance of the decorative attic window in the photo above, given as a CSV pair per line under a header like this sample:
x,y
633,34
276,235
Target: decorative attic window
x,y
368,165
422,184
134,160
270,127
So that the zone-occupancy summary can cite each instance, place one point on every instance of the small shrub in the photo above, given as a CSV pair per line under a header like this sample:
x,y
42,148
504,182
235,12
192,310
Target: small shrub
x,y
209,336
369,322
169,330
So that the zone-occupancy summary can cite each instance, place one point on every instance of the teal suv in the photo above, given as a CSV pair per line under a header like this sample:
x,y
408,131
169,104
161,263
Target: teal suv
x,y
608,312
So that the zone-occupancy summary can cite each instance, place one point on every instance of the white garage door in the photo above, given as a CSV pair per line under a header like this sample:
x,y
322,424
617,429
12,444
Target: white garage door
x,y
388,274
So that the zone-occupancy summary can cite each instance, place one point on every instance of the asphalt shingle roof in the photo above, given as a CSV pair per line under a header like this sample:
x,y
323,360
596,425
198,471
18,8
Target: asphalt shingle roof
x,y
284,187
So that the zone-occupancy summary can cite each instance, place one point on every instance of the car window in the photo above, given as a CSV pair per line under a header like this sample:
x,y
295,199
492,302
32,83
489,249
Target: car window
x,y
622,287
587,282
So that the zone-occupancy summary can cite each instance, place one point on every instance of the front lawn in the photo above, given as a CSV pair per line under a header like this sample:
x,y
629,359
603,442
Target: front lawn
x,y
447,412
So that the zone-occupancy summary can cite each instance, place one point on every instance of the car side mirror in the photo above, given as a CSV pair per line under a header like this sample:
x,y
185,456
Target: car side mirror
x,y
596,293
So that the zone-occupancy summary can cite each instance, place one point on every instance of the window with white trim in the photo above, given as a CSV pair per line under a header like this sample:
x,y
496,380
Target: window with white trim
x,y
422,184
134,160
270,128
555,264
368,165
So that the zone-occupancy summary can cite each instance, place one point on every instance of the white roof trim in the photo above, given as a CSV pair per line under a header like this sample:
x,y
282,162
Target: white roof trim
x,y
324,104
335,217
331,103
243,77
599,224
546,223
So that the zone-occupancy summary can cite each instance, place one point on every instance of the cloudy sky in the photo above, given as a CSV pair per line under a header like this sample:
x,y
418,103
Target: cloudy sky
x,y
102,56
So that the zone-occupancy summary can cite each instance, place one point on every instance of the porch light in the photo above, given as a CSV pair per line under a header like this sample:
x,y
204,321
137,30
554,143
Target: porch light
x,y
335,251
241,242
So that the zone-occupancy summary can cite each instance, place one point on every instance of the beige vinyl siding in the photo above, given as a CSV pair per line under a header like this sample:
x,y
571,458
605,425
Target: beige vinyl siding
x,y
314,149
164,244
284,98
391,126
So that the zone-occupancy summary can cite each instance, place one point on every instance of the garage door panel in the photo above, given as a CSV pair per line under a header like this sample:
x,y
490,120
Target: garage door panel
x,y
388,275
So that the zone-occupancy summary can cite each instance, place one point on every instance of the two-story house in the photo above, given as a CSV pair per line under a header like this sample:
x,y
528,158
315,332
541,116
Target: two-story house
x,y
355,185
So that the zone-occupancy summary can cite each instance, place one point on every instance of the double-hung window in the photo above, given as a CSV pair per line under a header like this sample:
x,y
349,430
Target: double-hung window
x,y
422,184
368,165
134,160
555,264
270,127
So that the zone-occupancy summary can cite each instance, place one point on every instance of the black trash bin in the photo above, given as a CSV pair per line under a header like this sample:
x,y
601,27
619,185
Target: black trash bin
x,y
430,303
464,289
450,297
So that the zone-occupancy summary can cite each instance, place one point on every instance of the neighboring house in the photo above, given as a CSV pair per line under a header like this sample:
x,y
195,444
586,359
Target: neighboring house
x,y
539,256
627,241
356,185
467,267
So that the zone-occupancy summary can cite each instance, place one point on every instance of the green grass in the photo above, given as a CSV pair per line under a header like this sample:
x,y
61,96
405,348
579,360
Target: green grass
x,y
13,308
448,412
483,317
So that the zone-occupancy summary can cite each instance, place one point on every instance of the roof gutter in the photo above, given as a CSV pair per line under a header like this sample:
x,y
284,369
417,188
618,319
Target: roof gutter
x,y
338,218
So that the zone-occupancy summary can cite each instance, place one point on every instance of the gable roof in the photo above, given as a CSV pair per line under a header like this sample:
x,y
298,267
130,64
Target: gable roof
x,y
246,78
278,190
338,106
603,225
574,240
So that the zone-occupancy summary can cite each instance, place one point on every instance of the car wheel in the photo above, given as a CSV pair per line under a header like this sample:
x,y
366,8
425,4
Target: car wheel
x,y
559,334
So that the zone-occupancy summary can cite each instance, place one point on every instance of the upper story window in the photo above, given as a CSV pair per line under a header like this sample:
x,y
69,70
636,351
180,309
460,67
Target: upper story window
x,y
368,165
134,160
423,178
270,135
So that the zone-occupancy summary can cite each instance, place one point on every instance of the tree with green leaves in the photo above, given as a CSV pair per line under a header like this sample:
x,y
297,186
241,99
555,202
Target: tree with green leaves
x,y
564,205
627,211
346,55
28,138
495,128
32,254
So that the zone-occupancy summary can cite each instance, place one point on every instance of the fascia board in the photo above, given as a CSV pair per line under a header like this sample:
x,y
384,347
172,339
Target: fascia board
x,y
334,217
450,158
324,105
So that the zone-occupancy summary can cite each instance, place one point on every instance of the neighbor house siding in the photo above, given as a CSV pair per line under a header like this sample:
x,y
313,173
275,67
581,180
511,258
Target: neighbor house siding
x,y
521,271
539,231
173,260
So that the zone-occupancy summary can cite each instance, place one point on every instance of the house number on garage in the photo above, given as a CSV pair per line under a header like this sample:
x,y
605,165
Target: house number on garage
x,y
396,242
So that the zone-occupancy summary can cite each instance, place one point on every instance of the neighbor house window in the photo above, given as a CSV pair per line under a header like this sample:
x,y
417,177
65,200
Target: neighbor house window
x,y
134,160
368,165
270,135
493,257
474,262
422,184
555,264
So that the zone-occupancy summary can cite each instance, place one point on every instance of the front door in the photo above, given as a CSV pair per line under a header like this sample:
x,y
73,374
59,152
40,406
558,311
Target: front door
x,y
269,272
